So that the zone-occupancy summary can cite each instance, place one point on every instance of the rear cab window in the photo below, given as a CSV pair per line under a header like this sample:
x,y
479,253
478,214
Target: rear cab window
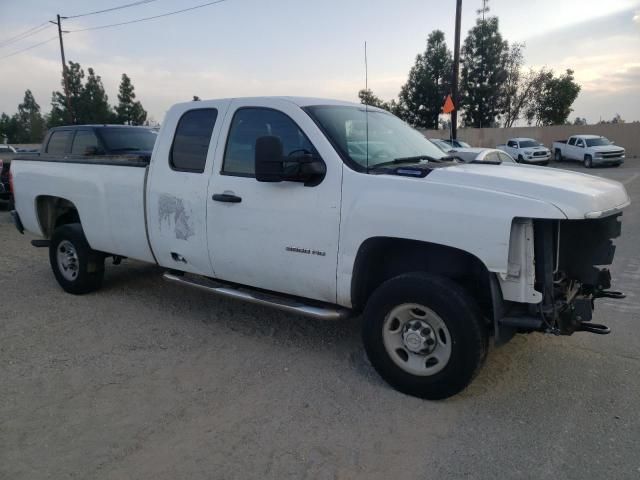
x,y
572,141
58,141
191,140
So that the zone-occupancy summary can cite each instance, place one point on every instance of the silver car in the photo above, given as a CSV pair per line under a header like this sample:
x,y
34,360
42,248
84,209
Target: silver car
x,y
482,155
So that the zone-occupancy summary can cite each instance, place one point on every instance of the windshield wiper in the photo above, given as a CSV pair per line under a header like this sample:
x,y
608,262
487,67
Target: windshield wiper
x,y
126,149
413,159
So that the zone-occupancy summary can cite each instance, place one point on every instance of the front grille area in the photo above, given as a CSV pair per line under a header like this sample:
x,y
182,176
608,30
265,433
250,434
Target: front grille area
x,y
616,154
539,154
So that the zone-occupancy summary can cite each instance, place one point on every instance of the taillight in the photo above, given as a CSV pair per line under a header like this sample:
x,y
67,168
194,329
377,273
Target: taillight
x,y
10,181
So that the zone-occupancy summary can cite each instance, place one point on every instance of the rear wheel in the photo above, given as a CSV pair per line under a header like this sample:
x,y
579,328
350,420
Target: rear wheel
x,y
77,268
558,156
588,162
424,335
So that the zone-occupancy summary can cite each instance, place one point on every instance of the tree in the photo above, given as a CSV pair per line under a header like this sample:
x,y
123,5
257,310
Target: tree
x,y
60,114
8,128
617,119
129,111
484,74
552,99
514,85
29,121
580,121
428,84
94,105
367,97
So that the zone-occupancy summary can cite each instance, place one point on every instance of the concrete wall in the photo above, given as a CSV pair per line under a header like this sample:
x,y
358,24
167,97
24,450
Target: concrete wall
x,y
626,135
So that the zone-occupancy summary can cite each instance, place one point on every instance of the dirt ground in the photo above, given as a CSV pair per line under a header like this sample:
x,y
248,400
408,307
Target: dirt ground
x,y
146,379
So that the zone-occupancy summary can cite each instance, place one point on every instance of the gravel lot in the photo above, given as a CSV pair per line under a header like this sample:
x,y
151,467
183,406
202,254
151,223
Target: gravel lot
x,y
144,379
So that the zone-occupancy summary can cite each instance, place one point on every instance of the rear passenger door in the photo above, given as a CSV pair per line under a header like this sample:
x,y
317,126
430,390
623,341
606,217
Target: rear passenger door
x,y
570,149
180,170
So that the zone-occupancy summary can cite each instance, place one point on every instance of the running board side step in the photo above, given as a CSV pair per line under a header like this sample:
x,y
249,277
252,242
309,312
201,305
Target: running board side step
x,y
283,303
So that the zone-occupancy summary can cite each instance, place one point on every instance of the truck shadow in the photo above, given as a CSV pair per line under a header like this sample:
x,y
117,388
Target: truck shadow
x,y
232,317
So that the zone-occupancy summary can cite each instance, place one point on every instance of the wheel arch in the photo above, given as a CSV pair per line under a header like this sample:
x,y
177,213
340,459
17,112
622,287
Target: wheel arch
x,y
381,258
54,211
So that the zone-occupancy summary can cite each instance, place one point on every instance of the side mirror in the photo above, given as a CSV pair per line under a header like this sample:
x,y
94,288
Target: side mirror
x,y
269,166
91,150
272,166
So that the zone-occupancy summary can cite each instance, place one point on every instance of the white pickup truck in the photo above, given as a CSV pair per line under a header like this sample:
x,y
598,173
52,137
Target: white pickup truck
x,y
331,209
592,150
526,150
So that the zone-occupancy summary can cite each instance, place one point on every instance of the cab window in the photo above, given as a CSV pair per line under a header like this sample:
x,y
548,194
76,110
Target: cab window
x,y
83,140
57,144
572,141
191,141
247,126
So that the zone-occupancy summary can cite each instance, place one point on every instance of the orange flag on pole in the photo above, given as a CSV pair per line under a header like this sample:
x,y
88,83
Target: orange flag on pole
x,y
448,106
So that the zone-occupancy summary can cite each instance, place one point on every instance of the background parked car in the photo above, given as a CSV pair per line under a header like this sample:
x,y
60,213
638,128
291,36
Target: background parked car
x,y
456,143
441,144
482,155
592,150
99,140
527,150
5,190
6,149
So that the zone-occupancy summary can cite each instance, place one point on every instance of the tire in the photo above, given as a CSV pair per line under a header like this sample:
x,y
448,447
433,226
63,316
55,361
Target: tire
x,y
588,162
430,297
520,159
84,268
558,156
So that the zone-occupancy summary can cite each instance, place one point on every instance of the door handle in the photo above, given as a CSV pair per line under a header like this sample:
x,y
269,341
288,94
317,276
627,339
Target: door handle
x,y
226,197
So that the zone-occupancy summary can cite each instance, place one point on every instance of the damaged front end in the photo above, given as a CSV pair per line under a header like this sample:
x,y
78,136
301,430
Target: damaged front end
x,y
570,260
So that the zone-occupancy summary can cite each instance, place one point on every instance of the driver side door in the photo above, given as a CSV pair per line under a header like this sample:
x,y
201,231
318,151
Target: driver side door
x,y
280,236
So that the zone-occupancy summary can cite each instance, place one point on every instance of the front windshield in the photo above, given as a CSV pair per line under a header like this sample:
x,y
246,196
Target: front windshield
x,y
380,138
128,139
597,142
529,144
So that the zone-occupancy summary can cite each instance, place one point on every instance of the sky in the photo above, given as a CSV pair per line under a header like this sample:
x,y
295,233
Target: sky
x,y
311,48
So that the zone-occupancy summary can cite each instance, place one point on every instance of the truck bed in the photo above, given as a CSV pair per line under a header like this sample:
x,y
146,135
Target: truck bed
x,y
108,193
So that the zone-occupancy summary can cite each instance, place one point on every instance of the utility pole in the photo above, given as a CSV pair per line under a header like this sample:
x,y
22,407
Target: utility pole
x,y
64,71
456,69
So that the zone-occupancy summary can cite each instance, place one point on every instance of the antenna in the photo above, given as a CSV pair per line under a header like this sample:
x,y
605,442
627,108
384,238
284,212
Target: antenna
x,y
366,104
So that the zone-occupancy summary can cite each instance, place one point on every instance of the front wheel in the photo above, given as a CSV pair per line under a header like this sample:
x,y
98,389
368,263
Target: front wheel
x,y
424,335
77,268
588,162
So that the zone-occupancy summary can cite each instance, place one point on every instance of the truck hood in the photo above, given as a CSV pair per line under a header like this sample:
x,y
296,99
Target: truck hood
x,y
577,195
606,148
536,149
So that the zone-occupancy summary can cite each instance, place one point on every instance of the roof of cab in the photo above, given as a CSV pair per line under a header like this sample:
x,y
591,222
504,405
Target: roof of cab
x,y
300,101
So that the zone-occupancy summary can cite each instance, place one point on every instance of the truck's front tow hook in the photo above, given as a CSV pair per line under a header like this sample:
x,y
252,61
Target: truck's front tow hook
x,y
594,328
609,294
